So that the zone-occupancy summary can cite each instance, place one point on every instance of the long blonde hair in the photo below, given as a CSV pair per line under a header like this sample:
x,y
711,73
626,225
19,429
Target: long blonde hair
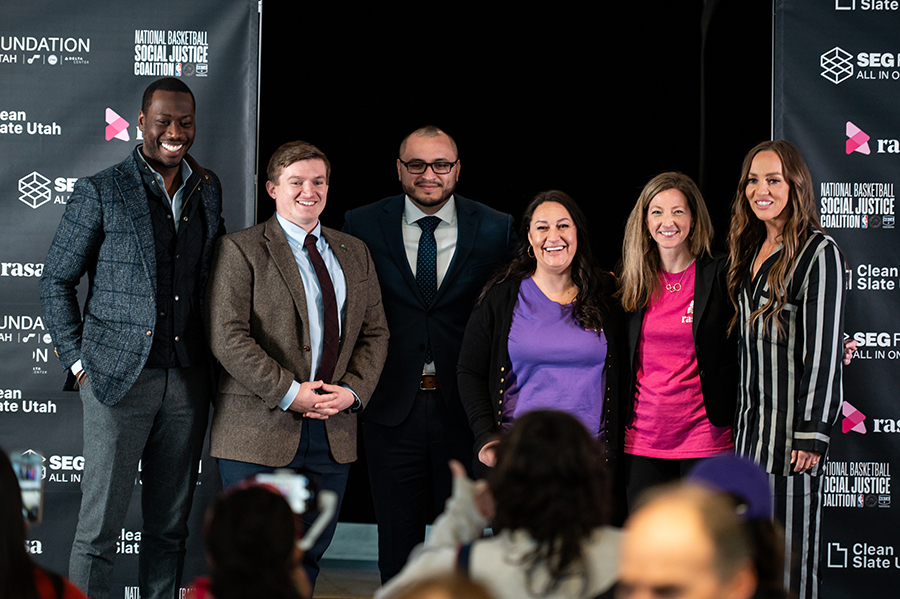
x,y
748,232
639,274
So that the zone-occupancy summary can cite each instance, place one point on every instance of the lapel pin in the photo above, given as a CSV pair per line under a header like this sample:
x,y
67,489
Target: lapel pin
x,y
343,248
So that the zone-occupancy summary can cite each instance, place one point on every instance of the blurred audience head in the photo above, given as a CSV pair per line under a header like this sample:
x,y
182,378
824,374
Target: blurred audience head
x,y
16,568
251,536
746,485
686,541
550,481
446,587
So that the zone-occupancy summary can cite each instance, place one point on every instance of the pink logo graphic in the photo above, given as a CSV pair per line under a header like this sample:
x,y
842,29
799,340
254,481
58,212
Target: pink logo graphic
x,y
853,419
857,140
116,126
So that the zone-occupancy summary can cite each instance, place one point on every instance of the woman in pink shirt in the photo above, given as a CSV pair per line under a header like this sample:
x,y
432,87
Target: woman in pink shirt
x,y
684,379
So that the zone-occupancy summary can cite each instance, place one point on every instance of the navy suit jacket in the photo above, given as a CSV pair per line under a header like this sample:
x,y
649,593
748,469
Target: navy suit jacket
x,y
107,233
485,242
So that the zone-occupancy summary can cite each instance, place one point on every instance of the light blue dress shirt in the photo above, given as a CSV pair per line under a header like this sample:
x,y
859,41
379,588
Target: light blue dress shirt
x,y
314,305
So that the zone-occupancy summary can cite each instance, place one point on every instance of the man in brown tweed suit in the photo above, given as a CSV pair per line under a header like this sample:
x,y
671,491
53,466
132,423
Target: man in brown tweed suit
x,y
289,385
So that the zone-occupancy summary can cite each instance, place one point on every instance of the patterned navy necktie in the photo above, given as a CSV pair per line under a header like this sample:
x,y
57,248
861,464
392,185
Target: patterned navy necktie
x,y
426,266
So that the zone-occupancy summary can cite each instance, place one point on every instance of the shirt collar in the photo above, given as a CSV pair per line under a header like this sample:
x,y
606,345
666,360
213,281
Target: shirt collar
x,y
412,213
154,180
297,235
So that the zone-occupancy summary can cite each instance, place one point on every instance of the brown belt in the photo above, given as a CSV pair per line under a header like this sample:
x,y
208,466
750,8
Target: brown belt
x,y
429,382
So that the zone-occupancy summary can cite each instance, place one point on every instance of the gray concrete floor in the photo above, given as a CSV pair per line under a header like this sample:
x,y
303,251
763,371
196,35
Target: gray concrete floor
x,y
347,579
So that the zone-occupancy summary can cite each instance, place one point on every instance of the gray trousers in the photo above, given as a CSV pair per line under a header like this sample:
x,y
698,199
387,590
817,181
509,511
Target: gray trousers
x,y
161,422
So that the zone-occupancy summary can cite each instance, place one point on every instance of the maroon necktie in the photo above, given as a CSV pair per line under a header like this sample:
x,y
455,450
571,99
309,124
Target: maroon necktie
x,y
331,338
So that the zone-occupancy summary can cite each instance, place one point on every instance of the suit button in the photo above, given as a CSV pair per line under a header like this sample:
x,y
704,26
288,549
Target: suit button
x,y
501,391
500,402
176,298
502,369
184,218
306,348
702,374
149,333
501,380
177,338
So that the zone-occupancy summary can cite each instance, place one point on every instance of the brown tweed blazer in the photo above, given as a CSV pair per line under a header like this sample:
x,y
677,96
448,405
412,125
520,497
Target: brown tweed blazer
x,y
256,320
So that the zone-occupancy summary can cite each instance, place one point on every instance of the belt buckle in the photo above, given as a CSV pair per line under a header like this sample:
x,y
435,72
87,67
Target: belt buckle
x,y
428,382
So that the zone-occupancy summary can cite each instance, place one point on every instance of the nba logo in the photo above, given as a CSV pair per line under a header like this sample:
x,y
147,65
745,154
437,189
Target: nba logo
x,y
865,221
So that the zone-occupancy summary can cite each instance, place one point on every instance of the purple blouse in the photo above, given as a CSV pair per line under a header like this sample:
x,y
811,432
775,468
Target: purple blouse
x,y
556,364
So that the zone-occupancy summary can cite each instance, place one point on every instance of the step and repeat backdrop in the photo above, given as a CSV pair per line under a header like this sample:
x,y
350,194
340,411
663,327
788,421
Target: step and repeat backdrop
x,y
72,75
837,80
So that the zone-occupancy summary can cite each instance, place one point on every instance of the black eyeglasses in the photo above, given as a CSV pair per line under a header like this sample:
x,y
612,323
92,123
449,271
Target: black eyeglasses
x,y
417,167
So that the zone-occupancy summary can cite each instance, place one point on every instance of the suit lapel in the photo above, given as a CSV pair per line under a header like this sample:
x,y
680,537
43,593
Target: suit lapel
x,y
134,197
466,233
703,278
354,308
280,250
392,227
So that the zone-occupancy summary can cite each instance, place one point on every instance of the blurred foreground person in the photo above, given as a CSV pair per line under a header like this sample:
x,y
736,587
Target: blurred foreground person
x,y
687,542
547,501
251,542
446,587
746,484
20,578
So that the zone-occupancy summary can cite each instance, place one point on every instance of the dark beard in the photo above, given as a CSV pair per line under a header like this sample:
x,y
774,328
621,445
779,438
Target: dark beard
x,y
427,202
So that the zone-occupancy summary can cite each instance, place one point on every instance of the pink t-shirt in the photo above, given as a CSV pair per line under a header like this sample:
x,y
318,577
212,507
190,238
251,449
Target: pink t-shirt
x,y
669,418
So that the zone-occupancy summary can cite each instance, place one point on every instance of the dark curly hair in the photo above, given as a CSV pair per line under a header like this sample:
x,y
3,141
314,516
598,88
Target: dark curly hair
x,y
551,482
594,287
250,538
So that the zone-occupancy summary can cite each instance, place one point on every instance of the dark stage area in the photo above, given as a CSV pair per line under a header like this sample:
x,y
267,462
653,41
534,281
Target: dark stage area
x,y
590,100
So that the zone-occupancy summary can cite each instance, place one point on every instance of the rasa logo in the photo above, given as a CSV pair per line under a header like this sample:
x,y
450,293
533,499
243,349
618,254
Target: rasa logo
x,y
116,126
858,141
854,420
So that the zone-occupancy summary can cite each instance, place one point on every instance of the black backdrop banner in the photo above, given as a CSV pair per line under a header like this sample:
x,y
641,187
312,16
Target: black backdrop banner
x,y
72,77
837,77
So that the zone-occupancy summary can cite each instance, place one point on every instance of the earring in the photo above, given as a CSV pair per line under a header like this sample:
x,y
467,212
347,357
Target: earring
x,y
530,252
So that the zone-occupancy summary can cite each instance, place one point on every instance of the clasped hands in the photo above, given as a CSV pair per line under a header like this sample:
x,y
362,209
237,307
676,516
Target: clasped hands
x,y
319,400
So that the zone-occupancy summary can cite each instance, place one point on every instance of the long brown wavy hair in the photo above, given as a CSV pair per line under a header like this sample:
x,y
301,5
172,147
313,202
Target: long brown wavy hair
x,y
748,232
591,302
639,273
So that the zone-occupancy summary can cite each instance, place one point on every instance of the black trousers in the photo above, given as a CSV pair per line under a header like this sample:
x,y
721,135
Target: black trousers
x,y
409,474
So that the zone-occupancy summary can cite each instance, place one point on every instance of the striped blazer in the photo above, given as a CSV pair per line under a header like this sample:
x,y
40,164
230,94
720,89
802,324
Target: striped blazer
x,y
790,383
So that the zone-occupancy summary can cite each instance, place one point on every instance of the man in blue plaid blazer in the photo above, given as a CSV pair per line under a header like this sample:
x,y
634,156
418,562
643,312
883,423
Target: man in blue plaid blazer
x,y
143,231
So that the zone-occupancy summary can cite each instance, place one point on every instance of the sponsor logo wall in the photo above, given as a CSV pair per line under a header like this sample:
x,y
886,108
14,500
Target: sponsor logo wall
x,y
837,73
73,75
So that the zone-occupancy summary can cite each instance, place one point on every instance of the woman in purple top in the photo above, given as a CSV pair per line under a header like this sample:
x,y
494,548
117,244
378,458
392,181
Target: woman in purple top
x,y
681,401
541,335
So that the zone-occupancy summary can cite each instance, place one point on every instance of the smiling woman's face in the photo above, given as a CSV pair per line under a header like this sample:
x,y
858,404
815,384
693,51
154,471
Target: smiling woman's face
x,y
553,238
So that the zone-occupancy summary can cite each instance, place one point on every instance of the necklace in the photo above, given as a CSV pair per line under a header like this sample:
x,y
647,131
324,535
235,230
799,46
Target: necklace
x,y
677,286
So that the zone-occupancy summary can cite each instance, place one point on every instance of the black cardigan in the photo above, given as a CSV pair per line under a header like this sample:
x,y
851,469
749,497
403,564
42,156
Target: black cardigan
x,y
717,352
484,362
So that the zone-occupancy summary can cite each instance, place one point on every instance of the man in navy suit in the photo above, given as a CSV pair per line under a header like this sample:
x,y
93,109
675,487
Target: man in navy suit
x,y
433,251
144,232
